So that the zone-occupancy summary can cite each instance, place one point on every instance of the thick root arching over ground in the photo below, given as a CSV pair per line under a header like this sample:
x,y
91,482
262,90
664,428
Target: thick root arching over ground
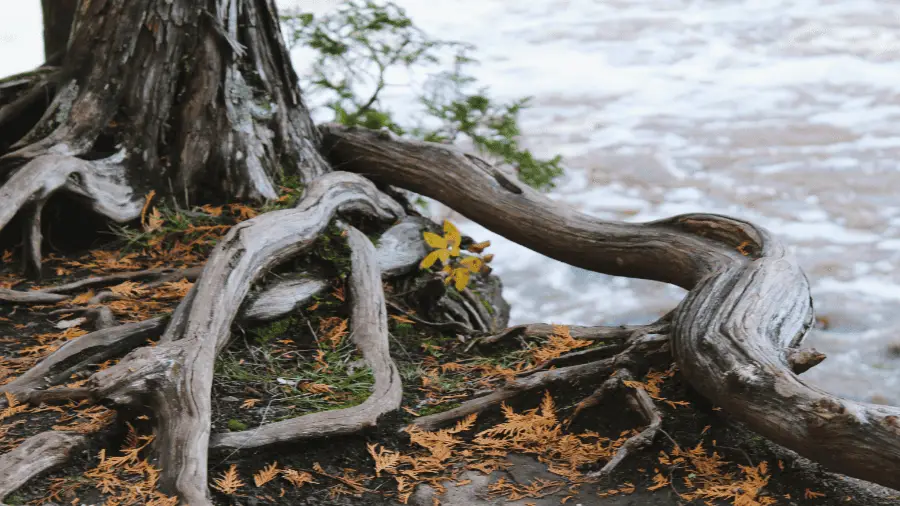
x,y
748,304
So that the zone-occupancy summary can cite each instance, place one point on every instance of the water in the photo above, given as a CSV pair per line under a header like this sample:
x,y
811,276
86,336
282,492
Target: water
x,y
782,114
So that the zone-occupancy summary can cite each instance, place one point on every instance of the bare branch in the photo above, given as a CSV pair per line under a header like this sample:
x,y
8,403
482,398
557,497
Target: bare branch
x,y
34,456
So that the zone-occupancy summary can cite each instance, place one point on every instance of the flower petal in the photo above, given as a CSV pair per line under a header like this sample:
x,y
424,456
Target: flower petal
x,y
462,279
453,237
434,240
473,264
430,259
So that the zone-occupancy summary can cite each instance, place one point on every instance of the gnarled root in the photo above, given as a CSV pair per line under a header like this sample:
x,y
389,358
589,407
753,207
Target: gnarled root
x,y
34,456
100,182
77,354
748,301
637,352
638,400
399,251
394,257
175,377
370,334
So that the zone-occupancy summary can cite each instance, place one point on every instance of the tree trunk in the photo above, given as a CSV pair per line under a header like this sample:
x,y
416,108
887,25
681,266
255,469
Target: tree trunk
x,y
193,100
198,102
58,17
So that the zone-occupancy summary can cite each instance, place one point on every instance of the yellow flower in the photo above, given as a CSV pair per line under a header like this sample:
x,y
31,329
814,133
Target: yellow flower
x,y
460,275
446,246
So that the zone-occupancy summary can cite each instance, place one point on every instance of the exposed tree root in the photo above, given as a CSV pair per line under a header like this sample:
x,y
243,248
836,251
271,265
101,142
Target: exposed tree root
x,y
31,297
21,92
748,301
77,354
32,237
453,326
543,330
100,182
399,250
518,387
370,334
34,456
175,377
638,400
577,357
639,350
282,298
58,293
162,275
101,316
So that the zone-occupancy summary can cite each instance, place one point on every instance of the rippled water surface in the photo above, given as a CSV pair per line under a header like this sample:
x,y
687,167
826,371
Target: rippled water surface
x,y
784,114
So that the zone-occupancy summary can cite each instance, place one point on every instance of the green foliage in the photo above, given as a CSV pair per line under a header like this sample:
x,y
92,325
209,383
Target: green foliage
x,y
359,45
274,330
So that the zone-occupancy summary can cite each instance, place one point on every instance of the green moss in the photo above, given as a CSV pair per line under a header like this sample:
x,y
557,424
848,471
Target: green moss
x,y
273,330
487,305
439,408
236,425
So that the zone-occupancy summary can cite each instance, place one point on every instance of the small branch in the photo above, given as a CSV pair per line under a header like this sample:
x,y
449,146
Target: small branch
x,y
34,456
517,387
577,357
639,348
453,326
802,360
101,316
32,238
543,330
92,348
640,401
59,293
150,274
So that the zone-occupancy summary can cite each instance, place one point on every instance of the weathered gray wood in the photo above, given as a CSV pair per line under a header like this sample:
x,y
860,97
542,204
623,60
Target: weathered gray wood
x,y
175,376
92,348
399,251
282,298
236,120
748,302
98,181
34,456
370,335
401,248
598,333
30,297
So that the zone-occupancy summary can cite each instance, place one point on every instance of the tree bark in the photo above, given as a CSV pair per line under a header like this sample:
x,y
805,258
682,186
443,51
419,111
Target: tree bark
x,y
194,100
58,17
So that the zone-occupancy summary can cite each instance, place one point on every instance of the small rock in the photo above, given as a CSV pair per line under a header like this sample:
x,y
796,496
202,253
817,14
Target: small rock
x,y
229,398
894,350
67,324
